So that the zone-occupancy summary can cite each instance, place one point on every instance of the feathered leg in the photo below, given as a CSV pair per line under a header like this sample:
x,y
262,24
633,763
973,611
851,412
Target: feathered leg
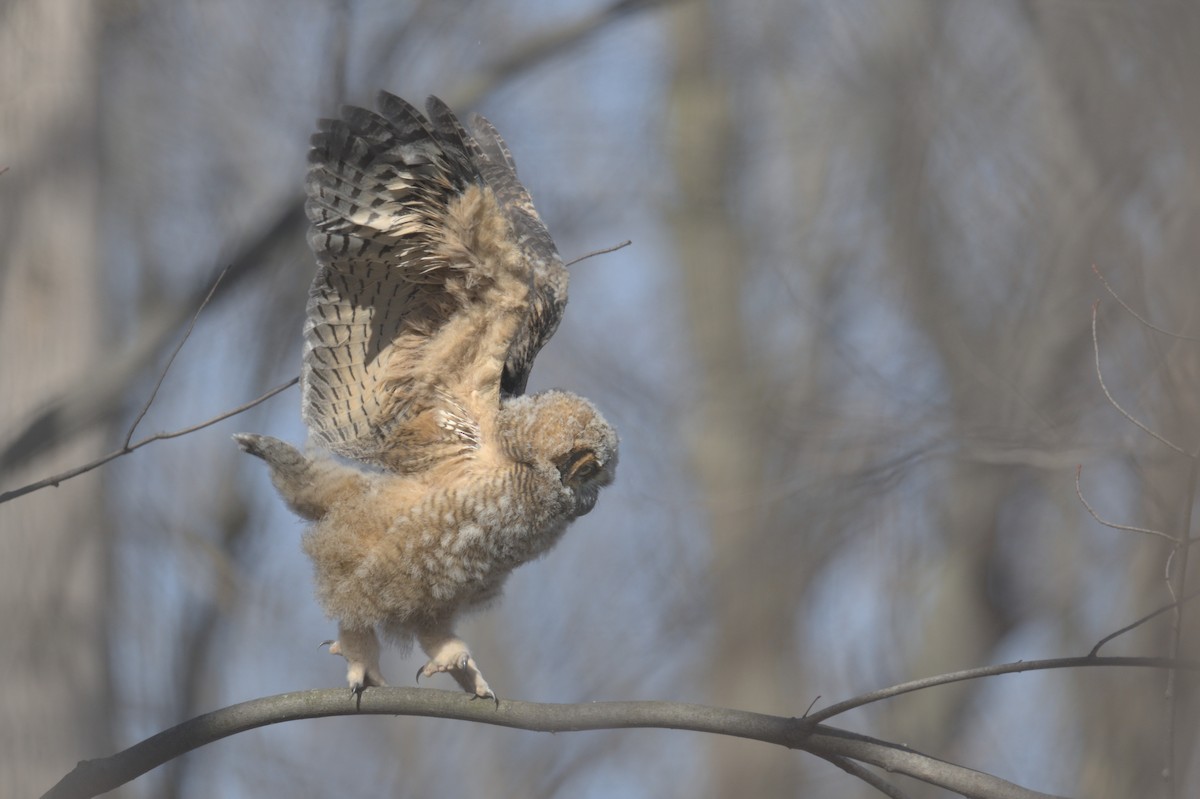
x,y
308,486
448,653
360,648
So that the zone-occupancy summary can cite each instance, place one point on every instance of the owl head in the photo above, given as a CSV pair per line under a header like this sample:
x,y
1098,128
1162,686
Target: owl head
x,y
563,431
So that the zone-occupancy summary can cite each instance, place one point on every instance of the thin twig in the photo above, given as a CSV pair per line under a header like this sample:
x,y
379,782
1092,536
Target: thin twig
x,y
1176,585
1167,575
866,775
1114,525
1113,402
87,467
1096,649
1003,668
605,251
163,375
1135,314
1177,590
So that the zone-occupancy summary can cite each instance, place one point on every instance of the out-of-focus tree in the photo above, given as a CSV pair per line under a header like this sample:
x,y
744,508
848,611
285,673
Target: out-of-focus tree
x,y
54,546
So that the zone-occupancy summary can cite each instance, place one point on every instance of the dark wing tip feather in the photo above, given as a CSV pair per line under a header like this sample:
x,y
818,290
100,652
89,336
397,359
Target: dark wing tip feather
x,y
492,143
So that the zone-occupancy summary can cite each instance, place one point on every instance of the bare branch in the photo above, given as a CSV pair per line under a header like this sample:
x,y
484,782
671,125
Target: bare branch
x,y
867,776
1177,587
1135,314
96,395
128,448
163,375
605,251
541,46
1003,668
93,777
1114,525
1143,620
1117,405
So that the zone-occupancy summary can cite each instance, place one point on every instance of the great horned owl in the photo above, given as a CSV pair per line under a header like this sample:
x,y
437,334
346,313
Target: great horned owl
x,y
437,285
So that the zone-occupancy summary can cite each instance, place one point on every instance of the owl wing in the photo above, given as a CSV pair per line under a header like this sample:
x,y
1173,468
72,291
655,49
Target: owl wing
x,y
437,285
549,290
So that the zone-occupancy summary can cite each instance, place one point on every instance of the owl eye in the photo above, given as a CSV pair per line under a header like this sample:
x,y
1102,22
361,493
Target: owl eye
x,y
580,467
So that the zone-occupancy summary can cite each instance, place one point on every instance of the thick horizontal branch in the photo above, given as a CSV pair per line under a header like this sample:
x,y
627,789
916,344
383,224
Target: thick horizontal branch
x,y
93,777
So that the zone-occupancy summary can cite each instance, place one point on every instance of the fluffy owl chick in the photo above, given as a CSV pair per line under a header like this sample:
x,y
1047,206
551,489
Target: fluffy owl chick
x,y
405,554
437,284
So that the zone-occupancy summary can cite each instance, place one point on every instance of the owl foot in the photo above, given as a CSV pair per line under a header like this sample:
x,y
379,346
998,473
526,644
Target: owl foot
x,y
451,656
360,648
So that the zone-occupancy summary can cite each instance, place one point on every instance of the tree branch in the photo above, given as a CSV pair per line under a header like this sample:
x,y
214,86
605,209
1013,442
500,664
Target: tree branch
x,y
54,480
1132,625
171,360
1002,668
1113,525
868,776
542,46
594,253
1129,309
1113,402
93,777
843,748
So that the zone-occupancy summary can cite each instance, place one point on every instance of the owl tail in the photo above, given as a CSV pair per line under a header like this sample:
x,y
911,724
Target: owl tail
x,y
308,486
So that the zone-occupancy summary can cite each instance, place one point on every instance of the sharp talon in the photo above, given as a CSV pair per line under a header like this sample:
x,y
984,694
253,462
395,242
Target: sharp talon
x,y
323,644
491,696
419,671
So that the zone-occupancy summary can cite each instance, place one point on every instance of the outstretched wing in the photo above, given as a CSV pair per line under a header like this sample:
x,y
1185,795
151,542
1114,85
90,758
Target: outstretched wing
x,y
437,284
549,296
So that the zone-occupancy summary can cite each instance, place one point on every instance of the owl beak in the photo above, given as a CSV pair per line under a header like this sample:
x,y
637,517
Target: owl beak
x,y
585,500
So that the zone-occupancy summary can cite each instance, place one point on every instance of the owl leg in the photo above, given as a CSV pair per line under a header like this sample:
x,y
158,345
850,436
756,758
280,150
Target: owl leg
x,y
448,653
360,648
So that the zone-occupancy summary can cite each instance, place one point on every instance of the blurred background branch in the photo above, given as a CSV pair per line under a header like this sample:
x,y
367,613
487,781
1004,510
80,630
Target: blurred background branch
x,y
850,359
